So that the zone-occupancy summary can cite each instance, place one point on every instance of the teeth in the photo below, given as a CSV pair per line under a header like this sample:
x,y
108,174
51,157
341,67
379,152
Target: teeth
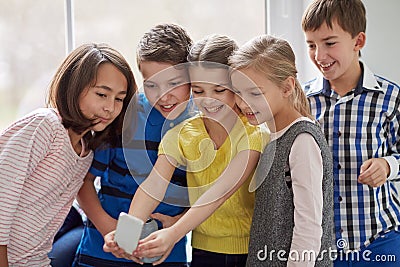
x,y
213,109
326,65
167,106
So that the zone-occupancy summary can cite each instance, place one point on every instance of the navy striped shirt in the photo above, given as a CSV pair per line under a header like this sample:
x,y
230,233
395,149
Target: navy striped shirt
x,y
122,169
361,125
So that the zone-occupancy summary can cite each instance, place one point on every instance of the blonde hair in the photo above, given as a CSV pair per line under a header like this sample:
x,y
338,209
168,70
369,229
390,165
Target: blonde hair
x,y
274,58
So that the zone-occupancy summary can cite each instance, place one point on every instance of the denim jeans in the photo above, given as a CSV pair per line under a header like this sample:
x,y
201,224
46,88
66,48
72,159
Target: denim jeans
x,y
202,258
384,251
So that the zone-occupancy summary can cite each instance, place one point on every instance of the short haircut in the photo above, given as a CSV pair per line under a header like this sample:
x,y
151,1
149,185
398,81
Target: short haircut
x,y
349,14
167,43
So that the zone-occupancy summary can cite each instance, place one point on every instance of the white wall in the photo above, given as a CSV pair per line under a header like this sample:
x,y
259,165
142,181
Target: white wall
x,y
381,52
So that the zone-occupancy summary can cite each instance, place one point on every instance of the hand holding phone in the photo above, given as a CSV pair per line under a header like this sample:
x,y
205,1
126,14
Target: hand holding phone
x,y
128,232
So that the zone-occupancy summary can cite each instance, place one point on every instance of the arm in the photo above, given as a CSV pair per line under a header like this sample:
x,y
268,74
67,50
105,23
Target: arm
x,y
306,168
146,199
162,241
22,147
3,256
151,192
385,167
90,204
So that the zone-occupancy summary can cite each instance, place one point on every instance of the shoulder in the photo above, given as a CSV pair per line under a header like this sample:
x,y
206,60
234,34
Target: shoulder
x,y
254,130
373,81
43,119
191,125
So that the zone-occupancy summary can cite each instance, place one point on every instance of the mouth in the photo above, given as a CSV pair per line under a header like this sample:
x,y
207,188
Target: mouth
x,y
326,67
213,109
103,120
167,108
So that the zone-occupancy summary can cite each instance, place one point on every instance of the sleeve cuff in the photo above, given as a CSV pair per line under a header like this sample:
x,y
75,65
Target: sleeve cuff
x,y
394,167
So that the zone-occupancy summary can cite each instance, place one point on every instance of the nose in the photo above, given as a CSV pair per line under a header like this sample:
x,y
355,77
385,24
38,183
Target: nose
x,y
320,54
239,102
109,105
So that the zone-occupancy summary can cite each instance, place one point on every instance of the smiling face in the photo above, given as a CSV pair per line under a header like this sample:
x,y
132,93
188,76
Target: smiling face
x,y
263,101
335,53
103,101
257,97
166,87
211,92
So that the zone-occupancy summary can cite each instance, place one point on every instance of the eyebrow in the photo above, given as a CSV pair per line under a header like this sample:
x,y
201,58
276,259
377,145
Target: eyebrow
x,y
123,92
324,39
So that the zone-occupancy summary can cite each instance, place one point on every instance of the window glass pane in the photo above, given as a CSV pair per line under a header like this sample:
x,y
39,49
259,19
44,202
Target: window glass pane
x,y
32,36
122,23
32,47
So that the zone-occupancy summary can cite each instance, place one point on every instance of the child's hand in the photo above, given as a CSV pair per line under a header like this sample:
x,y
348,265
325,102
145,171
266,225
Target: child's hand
x,y
166,220
111,246
159,243
374,172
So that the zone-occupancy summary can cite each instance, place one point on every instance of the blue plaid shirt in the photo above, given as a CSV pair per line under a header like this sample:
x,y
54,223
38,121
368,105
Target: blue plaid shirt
x,y
361,125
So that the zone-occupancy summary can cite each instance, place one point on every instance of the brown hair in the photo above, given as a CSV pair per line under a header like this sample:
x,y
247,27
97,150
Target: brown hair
x,y
349,14
77,72
274,58
166,42
213,48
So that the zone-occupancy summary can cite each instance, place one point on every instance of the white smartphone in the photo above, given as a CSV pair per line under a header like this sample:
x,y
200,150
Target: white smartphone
x,y
128,232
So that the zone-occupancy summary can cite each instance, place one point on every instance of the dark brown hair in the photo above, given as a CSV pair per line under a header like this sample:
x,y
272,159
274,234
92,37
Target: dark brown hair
x,y
349,14
167,42
76,73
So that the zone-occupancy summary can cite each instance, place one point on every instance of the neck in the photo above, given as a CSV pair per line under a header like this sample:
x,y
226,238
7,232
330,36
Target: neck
x,y
219,130
348,81
282,120
76,140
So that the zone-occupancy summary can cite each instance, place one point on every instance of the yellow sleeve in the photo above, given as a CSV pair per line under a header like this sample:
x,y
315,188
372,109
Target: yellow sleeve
x,y
255,138
170,145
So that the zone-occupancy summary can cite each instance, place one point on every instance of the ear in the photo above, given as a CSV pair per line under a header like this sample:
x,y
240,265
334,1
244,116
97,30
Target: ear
x,y
360,41
288,86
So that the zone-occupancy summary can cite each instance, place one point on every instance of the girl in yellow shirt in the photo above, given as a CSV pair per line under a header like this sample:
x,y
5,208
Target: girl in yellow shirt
x,y
220,150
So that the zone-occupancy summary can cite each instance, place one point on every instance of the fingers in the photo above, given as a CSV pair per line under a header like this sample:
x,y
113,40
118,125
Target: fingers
x,y
374,172
162,259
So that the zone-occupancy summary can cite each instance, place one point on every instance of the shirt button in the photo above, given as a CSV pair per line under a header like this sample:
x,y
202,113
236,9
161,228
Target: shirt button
x,y
340,198
339,134
171,124
339,166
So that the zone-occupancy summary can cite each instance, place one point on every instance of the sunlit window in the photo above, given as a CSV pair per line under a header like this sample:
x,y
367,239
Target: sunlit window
x,y
32,35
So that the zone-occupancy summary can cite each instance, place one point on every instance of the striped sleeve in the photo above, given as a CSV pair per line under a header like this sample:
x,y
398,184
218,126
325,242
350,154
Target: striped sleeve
x,y
22,146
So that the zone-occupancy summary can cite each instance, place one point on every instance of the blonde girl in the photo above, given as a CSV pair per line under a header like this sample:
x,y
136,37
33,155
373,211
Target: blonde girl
x,y
293,215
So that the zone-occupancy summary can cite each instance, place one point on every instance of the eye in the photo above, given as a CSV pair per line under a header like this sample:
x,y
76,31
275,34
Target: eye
x,y
256,93
175,83
220,90
196,92
149,85
330,43
101,95
118,99
311,46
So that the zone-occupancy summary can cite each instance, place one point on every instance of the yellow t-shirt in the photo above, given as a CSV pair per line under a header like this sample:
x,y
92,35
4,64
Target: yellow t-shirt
x,y
227,230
